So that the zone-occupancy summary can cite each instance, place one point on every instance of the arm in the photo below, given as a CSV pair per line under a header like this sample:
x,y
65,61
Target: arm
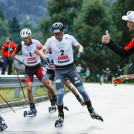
x,y
80,51
119,49
80,48
123,52
18,49
41,53
3,51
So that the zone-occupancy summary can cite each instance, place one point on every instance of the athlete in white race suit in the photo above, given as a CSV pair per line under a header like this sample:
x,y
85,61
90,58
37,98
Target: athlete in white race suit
x,y
61,46
29,48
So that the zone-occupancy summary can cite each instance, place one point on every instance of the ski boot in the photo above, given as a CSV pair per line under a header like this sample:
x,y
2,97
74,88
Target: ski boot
x,y
3,125
80,100
52,108
94,115
59,122
32,111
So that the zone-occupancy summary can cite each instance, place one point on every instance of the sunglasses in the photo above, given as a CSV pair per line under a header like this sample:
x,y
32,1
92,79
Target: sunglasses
x,y
25,39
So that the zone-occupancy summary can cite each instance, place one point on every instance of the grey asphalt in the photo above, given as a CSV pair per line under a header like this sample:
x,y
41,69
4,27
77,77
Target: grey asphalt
x,y
114,103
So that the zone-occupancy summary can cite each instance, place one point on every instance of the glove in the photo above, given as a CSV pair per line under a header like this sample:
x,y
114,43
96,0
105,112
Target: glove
x,y
79,55
47,61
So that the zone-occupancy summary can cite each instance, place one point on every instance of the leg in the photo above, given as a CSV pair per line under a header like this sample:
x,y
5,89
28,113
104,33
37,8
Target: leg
x,y
28,82
10,66
29,91
60,79
75,79
4,66
42,76
73,89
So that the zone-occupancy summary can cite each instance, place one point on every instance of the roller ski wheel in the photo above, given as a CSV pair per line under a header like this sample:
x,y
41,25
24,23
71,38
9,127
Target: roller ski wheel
x,y
52,109
30,113
59,122
3,125
96,116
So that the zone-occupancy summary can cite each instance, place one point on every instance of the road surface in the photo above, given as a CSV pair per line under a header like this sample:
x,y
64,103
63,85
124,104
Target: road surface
x,y
114,103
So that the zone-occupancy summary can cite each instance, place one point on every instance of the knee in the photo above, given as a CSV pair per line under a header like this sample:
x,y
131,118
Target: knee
x,y
29,89
60,95
83,92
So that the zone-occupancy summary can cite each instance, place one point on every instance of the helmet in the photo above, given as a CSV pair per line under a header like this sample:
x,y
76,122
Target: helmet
x,y
25,33
57,27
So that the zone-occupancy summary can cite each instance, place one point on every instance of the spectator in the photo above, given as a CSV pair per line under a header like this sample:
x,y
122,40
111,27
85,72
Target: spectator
x,y
87,74
109,75
78,69
119,71
7,50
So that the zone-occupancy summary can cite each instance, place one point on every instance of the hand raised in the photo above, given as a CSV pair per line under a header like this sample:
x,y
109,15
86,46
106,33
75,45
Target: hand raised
x,y
106,38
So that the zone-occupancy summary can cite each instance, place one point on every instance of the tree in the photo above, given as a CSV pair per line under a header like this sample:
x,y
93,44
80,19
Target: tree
x,y
1,14
14,29
60,11
89,26
119,9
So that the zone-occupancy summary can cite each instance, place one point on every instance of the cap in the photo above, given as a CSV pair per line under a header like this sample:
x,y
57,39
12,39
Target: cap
x,y
129,16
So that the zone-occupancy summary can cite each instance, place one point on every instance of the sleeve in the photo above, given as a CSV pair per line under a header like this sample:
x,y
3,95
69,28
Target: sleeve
x,y
18,49
47,44
3,51
14,50
123,52
39,45
73,41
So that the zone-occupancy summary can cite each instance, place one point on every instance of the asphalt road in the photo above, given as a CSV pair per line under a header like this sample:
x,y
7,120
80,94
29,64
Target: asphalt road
x,y
114,103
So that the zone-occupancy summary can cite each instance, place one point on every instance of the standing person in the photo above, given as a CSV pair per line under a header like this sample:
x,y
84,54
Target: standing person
x,y
87,74
7,51
78,69
50,66
119,71
61,46
127,50
3,125
32,65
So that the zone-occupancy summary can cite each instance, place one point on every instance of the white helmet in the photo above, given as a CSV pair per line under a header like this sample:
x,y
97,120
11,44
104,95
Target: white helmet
x,y
25,33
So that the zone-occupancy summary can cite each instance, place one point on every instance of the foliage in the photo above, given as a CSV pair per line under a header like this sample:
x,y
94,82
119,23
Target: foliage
x,y
119,9
60,11
14,29
89,26
25,10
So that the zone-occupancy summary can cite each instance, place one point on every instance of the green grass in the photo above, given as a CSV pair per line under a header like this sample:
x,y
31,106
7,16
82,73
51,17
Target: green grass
x,y
8,94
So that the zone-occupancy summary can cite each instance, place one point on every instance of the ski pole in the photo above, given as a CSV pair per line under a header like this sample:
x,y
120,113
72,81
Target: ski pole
x,y
7,103
84,63
20,83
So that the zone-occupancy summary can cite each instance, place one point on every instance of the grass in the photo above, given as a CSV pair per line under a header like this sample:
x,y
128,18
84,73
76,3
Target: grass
x,y
8,94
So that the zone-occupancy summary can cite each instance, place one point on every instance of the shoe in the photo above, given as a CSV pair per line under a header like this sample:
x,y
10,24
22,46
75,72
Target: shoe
x,y
94,115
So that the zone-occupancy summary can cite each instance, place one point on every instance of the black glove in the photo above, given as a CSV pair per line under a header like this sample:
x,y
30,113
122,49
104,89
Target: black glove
x,y
47,61
79,55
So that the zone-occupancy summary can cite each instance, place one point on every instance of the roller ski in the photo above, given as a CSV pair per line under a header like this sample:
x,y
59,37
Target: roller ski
x,y
59,122
3,125
32,111
66,108
94,115
52,108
